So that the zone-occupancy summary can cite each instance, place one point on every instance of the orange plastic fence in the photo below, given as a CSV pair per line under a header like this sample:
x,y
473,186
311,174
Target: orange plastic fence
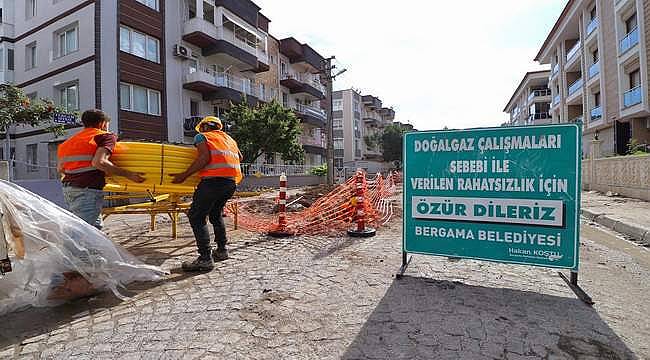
x,y
330,214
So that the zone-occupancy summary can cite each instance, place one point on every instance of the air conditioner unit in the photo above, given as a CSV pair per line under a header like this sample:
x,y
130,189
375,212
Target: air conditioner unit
x,y
182,51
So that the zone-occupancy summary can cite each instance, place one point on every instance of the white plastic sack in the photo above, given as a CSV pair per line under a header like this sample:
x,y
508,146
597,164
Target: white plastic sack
x,y
50,249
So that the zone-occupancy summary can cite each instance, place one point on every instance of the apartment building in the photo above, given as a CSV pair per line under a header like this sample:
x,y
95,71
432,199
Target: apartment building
x,y
598,52
358,121
154,66
531,101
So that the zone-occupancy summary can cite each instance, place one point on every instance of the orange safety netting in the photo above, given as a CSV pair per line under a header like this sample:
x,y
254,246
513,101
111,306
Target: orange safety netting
x,y
332,213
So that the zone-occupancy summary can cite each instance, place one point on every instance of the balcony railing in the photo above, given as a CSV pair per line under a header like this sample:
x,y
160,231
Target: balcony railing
x,y
573,52
305,78
311,110
632,97
536,93
577,85
556,100
576,119
594,69
556,69
596,113
318,141
539,116
223,33
629,40
593,25
249,87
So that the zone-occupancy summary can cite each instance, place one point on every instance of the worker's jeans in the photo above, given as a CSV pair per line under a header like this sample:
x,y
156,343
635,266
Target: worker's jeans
x,y
85,203
209,200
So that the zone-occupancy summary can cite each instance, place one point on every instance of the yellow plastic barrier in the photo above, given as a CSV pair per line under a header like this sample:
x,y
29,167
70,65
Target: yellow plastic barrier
x,y
156,162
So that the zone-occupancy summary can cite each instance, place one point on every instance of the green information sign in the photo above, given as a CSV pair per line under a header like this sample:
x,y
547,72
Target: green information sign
x,y
509,195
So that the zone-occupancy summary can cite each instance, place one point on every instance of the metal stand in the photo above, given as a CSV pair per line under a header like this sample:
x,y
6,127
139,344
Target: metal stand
x,y
406,260
573,284
366,232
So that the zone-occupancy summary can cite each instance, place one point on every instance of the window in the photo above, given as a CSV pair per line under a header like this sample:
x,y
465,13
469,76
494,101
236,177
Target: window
x,y
150,3
67,41
592,13
139,99
208,12
338,143
337,105
30,56
30,9
272,60
194,108
635,79
283,68
32,96
10,59
338,163
595,55
31,155
630,23
337,123
69,97
139,44
2,60
285,99
597,99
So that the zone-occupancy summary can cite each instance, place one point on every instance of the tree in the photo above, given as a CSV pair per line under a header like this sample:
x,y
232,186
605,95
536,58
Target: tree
x,y
391,141
18,109
267,128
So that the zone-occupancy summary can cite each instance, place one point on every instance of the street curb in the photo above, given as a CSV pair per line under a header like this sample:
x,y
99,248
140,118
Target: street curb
x,y
636,232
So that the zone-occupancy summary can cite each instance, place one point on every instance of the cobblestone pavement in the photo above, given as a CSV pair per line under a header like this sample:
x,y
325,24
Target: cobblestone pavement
x,y
329,298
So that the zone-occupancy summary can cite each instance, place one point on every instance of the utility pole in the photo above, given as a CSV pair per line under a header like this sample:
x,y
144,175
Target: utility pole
x,y
326,72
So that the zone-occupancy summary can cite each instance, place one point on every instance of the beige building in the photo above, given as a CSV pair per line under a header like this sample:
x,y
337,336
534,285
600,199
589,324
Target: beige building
x,y
154,66
531,101
358,121
598,52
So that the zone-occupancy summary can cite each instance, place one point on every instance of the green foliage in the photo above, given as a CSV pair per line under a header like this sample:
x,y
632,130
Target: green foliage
x,y
636,148
18,109
319,170
391,141
268,128
374,140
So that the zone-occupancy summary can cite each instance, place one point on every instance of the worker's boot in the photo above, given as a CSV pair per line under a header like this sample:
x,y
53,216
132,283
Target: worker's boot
x,y
198,265
219,254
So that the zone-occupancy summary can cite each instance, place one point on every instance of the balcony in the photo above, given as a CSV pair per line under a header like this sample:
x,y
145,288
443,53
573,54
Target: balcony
x,y
301,54
314,144
556,100
594,69
371,121
214,39
573,52
556,70
593,25
311,115
538,116
538,93
633,97
577,119
371,102
575,86
388,114
217,86
596,113
629,41
303,83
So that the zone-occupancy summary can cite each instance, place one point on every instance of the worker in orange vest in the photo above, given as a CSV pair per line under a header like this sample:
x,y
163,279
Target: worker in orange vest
x,y
83,160
218,165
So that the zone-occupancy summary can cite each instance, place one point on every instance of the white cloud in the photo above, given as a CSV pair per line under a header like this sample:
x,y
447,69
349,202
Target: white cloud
x,y
452,63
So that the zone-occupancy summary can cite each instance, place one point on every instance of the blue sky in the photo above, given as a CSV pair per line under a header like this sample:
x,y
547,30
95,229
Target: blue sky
x,y
435,62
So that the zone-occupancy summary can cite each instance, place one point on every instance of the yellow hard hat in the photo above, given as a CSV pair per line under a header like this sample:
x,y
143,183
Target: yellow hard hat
x,y
209,120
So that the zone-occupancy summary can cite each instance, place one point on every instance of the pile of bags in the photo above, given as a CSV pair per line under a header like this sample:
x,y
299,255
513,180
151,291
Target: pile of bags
x,y
48,255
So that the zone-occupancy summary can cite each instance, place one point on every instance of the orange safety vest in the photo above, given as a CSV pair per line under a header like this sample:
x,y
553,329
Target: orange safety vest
x,y
76,154
224,157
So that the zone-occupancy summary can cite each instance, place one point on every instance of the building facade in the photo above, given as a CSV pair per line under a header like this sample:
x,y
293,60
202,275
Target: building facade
x,y
598,52
358,121
154,66
531,101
